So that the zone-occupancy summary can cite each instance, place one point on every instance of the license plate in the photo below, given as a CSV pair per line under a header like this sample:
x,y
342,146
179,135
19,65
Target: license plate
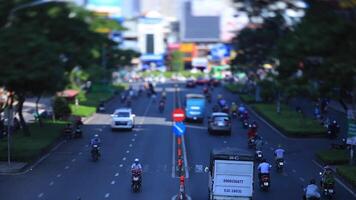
x,y
135,178
331,191
281,164
265,183
195,118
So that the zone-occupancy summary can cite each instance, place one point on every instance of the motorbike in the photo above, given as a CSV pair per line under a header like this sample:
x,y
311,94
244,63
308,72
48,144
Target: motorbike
x,y
225,109
264,182
328,191
136,181
128,103
331,133
342,145
161,107
101,108
258,156
122,98
95,153
78,133
234,114
208,98
279,164
251,143
245,124
67,134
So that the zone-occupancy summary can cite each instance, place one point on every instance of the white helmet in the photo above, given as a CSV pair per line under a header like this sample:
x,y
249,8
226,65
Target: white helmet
x,y
136,160
96,136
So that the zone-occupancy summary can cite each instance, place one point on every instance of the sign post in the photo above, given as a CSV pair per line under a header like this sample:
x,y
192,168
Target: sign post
x,y
178,115
179,129
351,133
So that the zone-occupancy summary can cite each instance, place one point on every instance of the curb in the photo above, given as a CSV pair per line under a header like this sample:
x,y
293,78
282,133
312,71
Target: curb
x,y
46,152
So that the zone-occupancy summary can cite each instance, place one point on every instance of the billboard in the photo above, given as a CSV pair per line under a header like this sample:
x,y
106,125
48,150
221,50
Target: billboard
x,y
208,7
111,7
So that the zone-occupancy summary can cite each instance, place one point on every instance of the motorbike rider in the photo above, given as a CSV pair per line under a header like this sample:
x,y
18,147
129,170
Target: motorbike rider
x,y
258,142
279,153
161,104
136,167
263,168
219,97
68,130
205,90
327,176
241,109
334,127
95,140
251,133
312,190
164,93
233,107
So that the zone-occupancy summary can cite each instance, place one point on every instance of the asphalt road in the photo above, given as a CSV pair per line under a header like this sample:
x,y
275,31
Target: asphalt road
x,y
69,173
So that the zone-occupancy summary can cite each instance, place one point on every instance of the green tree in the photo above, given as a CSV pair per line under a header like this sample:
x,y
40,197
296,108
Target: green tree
x,y
177,62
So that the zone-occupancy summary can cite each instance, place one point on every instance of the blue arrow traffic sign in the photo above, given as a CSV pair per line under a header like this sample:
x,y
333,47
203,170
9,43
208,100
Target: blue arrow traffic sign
x,y
179,128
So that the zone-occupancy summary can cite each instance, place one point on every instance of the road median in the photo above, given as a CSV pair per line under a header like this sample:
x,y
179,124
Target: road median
x,y
288,121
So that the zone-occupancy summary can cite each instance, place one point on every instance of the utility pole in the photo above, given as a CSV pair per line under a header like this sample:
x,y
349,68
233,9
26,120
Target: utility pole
x,y
10,120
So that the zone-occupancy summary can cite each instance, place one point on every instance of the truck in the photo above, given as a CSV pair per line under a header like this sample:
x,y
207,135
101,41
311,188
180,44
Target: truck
x,y
231,173
194,107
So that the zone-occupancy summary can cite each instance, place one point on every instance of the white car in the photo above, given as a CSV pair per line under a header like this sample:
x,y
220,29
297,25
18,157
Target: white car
x,y
123,119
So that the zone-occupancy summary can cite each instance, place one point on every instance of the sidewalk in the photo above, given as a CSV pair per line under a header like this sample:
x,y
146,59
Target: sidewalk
x,y
5,168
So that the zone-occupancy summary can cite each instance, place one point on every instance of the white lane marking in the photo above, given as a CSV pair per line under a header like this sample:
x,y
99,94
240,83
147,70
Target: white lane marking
x,y
225,141
175,197
271,148
121,165
133,140
87,145
174,157
294,171
80,153
113,182
51,183
59,175
185,160
40,195
301,179
124,158
346,187
266,142
337,180
135,134
196,127
73,160
107,195
130,145
117,174
67,167
127,151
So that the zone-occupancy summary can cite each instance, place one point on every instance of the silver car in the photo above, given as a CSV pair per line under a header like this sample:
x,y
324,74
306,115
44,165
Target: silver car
x,y
219,122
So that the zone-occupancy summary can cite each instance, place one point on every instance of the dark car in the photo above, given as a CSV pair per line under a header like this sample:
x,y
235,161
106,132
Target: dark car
x,y
201,80
219,122
214,82
190,83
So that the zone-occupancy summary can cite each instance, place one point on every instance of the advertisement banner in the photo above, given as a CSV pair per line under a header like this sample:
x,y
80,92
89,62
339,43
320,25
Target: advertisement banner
x,y
351,132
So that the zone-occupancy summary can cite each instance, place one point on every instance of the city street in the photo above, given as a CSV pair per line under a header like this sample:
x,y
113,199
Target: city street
x,y
69,173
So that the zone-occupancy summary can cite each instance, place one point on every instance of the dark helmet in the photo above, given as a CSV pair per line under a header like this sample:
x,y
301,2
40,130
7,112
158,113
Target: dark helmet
x,y
312,181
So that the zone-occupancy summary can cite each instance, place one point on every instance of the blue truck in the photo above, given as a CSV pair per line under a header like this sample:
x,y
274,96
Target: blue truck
x,y
195,107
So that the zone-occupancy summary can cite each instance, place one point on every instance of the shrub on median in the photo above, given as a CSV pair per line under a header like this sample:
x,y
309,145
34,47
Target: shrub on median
x,y
333,156
25,148
288,121
348,172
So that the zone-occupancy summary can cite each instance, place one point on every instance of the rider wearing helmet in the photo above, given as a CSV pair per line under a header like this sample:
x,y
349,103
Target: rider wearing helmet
x,y
264,168
233,107
95,140
136,165
279,153
312,190
327,176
